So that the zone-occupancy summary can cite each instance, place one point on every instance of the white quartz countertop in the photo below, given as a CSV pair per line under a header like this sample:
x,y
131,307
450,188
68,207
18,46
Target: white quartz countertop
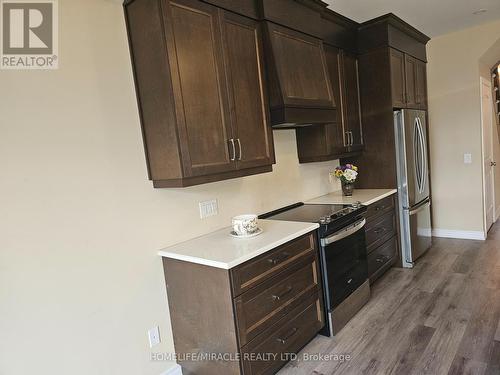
x,y
219,249
365,196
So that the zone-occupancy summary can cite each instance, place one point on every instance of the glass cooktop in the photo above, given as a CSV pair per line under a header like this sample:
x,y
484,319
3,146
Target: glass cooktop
x,y
315,213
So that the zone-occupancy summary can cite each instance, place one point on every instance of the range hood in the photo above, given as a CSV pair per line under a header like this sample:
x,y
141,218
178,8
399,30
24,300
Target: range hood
x,y
300,90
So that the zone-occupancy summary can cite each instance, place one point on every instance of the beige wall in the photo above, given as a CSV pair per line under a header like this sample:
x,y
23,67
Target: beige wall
x,y
80,279
454,111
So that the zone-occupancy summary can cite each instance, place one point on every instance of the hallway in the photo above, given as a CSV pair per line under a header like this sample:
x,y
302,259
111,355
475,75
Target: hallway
x,y
442,317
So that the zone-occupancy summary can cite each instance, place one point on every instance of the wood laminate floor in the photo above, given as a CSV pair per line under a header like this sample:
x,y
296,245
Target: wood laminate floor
x,y
441,317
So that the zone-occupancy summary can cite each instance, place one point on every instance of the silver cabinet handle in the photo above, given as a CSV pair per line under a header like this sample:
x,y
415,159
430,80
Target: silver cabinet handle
x,y
233,157
239,146
283,294
493,163
352,138
292,332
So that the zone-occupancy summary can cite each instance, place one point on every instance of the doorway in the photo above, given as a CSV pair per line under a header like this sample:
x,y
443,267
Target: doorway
x,y
488,160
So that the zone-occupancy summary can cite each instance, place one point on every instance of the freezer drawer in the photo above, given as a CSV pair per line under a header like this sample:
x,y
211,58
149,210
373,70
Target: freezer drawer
x,y
416,232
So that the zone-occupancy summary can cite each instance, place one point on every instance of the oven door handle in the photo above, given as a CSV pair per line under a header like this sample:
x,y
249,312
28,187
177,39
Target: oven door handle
x,y
337,236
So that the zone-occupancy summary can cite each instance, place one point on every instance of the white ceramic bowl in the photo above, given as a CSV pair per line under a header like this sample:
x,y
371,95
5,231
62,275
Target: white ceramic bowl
x,y
244,225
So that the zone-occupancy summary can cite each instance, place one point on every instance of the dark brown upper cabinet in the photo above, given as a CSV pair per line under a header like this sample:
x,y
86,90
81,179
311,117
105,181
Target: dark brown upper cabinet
x,y
300,86
336,134
411,81
408,81
397,66
421,84
344,136
199,75
247,91
352,105
392,75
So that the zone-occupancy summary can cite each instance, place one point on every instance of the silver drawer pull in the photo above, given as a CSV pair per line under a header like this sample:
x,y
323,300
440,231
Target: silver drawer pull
x,y
380,230
283,340
349,281
277,297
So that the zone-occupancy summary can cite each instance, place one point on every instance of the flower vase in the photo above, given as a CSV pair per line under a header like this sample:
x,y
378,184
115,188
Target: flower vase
x,y
347,188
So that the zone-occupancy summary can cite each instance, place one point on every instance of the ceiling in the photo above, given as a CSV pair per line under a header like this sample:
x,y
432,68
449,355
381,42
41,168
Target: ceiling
x,y
432,17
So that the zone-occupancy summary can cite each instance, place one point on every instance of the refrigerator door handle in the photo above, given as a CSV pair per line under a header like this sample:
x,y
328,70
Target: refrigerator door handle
x,y
420,207
423,155
416,157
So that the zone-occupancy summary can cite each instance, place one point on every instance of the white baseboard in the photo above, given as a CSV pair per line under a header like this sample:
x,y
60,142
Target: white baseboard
x,y
461,234
176,370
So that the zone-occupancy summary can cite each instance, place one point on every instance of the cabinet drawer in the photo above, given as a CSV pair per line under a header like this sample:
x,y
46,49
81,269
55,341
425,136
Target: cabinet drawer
x,y
257,270
380,230
288,336
262,306
382,258
380,207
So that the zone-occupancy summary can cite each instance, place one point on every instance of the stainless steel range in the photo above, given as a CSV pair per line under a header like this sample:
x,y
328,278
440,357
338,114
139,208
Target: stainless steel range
x,y
343,257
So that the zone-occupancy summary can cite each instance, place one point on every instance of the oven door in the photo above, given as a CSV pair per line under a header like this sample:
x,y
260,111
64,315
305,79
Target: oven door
x,y
345,264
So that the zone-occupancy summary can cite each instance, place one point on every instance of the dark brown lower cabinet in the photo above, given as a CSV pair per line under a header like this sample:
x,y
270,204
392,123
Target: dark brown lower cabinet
x,y
382,258
255,314
298,328
381,236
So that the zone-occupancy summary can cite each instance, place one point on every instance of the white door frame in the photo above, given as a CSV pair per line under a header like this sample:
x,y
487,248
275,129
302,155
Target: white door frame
x,y
482,81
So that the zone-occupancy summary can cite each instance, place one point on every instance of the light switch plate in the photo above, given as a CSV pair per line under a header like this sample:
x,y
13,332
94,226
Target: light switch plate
x,y
467,158
154,336
208,208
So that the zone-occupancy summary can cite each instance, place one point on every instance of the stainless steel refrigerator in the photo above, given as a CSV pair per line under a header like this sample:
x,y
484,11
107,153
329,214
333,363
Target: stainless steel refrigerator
x,y
413,184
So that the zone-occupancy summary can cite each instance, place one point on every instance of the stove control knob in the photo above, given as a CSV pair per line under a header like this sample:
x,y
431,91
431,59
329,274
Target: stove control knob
x,y
356,204
322,220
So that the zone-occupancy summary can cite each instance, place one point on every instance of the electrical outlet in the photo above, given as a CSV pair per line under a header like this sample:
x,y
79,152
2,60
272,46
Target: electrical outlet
x,y
467,158
208,208
154,336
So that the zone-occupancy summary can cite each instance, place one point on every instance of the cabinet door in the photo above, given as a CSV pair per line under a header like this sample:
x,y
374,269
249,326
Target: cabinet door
x,y
421,84
336,133
411,81
199,85
248,100
351,100
397,62
313,143
301,68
